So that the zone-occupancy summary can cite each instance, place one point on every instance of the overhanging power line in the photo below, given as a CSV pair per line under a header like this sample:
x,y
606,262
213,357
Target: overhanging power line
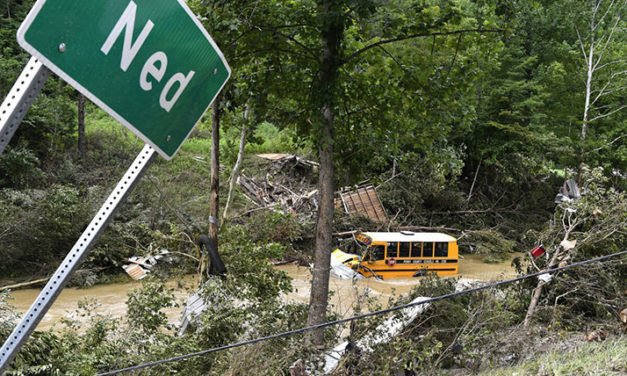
x,y
357,317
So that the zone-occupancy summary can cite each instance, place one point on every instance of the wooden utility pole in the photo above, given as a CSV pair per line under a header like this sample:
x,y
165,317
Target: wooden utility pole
x,y
80,104
214,198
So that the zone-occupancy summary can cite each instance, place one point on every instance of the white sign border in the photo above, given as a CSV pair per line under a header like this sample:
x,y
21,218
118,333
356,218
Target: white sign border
x,y
59,72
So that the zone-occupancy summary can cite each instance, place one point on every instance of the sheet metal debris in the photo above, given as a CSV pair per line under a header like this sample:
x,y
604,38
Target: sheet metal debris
x,y
363,201
139,267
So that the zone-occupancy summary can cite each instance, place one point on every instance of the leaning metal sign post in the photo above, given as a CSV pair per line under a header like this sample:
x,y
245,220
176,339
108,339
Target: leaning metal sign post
x,y
148,63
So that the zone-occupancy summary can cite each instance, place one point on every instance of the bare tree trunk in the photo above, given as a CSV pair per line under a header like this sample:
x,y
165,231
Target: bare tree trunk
x,y
236,168
474,180
332,34
324,230
80,103
601,32
537,292
215,176
590,71
559,255
24,284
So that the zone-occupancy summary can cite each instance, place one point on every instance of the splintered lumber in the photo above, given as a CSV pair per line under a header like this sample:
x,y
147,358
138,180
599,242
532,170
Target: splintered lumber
x,y
278,197
283,159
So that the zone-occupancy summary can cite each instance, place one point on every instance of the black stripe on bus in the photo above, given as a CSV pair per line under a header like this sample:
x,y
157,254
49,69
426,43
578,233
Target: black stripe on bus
x,y
414,270
424,261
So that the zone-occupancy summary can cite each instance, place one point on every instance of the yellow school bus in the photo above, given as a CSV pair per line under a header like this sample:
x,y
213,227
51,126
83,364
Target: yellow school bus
x,y
407,254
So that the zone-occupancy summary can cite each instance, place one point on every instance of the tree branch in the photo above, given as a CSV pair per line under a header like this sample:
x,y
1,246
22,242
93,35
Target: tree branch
x,y
413,36
296,42
581,44
607,42
609,143
609,113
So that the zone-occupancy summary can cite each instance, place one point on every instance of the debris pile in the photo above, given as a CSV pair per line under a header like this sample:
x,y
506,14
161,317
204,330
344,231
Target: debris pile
x,y
139,267
278,197
289,186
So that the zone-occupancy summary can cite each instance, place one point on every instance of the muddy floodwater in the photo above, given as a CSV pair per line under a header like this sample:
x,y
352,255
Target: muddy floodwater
x,y
346,293
111,299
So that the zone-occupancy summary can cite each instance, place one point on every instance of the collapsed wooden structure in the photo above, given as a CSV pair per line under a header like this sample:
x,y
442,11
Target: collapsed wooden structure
x,y
302,198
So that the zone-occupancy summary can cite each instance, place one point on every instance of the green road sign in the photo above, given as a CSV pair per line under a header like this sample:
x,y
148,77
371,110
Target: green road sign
x,y
148,63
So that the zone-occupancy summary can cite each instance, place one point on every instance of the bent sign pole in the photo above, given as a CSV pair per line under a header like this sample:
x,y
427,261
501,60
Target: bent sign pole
x,y
78,253
148,63
20,98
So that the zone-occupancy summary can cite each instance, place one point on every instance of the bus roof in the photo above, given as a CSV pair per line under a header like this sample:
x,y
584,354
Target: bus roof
x,y
407,236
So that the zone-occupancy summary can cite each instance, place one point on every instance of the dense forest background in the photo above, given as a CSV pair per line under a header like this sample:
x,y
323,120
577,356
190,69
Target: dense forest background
x,y
466,114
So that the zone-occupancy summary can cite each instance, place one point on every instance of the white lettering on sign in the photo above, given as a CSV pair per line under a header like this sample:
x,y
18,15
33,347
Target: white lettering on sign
x,y
151,69
183,81
156,65
130,49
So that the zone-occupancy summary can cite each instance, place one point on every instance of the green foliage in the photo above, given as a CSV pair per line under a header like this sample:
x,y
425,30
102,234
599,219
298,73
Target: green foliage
x,y
276,227
7,316
40,225
451,333
490,243
436,174
250,274
145,304
267,138
465,130
19,168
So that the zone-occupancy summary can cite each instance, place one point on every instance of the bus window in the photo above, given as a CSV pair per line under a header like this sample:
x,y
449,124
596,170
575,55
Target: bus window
x,y
403,249
416,249
427,249
441,249
392,249
377,252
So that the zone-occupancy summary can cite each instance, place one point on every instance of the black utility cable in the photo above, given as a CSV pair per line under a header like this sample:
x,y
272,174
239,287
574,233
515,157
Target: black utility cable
x,y
358,317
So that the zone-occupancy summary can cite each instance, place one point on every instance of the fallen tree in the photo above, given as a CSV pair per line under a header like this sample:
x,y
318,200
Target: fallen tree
x,y
590,226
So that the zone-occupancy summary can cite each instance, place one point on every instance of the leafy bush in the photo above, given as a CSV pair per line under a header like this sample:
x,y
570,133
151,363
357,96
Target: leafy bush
x,y
145,305
267,138
40,225
19,168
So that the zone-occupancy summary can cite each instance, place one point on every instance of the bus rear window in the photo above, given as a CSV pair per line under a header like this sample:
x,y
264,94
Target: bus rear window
x,y
441,249
427,249
403,250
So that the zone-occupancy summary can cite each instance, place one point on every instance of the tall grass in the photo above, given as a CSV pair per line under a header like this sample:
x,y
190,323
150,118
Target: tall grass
x,y
605,358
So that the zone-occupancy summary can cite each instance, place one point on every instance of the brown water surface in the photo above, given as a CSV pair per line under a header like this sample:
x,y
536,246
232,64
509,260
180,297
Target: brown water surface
x,y
345,293
112,298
